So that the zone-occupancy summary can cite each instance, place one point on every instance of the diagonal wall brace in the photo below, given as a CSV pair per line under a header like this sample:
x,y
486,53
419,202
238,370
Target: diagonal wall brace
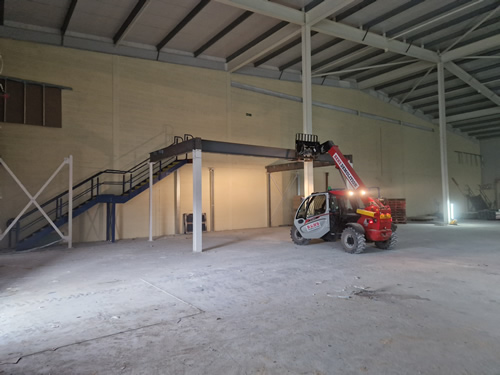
x,y
33,198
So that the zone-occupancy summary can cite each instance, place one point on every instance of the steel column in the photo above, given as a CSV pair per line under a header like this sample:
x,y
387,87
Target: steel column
x,y
177,202
70,202
212,200
269,211
307,103
150,202
197,209
443,144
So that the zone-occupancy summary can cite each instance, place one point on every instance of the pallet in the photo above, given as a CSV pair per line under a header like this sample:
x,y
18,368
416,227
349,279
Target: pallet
x,y
398,210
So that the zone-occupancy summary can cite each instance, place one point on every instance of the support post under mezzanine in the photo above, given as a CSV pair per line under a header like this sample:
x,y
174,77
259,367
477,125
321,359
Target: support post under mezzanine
x,y
151,183
197,209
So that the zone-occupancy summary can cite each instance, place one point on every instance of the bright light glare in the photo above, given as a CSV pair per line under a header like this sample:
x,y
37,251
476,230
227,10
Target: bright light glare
x,y
452,212
363,192
351,192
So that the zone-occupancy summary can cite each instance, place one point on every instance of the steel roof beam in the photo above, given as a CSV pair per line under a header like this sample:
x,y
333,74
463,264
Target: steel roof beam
x,y
324,10
356,8
374,40
274,40
392,13
315,51
444,25
460,33
471,49
496,135
257,40
485,132
139,8
293,43
269,9
223,32
297,41
281,50
472,82
424,18
68,16
485,126
336,57
197,9
462,110
471,115
396,74
484,120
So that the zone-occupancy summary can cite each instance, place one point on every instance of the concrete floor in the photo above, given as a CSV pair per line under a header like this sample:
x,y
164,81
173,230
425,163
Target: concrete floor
x,y
254,303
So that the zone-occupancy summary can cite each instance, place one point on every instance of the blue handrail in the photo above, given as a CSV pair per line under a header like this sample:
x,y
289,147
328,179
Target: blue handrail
x,y
89,189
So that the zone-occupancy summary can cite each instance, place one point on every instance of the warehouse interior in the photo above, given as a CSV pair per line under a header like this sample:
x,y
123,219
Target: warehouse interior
x,y
146,260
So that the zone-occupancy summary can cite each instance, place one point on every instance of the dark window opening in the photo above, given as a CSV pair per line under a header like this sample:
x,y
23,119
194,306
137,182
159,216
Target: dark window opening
x,y
30,103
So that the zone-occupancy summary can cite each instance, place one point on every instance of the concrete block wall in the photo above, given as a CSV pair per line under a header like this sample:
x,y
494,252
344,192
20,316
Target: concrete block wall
x,y
120,109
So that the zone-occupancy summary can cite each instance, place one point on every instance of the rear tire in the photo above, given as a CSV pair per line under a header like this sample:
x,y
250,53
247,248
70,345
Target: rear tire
x,y
353,242
297,237
389,244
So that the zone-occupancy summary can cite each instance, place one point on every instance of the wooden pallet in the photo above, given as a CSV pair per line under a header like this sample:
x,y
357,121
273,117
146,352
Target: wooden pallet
x,y
398,210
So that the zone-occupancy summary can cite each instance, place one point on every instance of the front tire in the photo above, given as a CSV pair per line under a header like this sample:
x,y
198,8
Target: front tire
x,y
297,237
389,244
352,241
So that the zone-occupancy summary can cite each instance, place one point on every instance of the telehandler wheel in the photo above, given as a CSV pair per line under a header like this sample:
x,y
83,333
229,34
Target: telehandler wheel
x,y
297,237
352,241
389,244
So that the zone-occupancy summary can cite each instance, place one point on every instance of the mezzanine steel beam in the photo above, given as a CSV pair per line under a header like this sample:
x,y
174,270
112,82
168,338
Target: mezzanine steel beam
x,y
294,166
222,148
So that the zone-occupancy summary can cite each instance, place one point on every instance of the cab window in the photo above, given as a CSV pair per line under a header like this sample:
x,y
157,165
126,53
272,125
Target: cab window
x,y
317,205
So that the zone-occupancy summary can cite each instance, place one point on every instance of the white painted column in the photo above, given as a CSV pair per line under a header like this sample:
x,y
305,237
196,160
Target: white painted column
x,y
197,210
307,103
177,201
70,202
443,144
150,202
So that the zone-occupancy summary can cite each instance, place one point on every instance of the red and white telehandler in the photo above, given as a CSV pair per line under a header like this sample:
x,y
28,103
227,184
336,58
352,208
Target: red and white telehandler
x,y
349,214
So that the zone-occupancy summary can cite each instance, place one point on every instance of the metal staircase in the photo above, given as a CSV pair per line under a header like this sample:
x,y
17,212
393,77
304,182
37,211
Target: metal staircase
x,y
109,186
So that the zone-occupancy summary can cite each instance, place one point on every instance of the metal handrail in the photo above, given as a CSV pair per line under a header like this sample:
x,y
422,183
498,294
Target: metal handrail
x,y
130,179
